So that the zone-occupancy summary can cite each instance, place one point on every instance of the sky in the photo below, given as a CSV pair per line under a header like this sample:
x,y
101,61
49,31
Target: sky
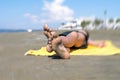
x,y
33,14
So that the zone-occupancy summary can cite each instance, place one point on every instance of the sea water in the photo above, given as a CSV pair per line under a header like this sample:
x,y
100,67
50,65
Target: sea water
x,y
16,30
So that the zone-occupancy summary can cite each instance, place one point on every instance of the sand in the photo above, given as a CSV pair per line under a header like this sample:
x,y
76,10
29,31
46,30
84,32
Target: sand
x,y
15,66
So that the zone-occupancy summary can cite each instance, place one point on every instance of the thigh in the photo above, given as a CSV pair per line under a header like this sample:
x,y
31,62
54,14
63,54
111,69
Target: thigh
x,y
70,40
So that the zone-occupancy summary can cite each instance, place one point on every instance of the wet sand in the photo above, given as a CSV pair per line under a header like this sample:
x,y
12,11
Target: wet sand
x,y
15,66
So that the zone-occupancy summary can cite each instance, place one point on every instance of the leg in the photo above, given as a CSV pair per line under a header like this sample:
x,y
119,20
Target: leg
x,y
96,43
70,40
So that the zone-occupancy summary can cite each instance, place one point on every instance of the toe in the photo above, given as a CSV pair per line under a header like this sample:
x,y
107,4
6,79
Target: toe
x,y
45,27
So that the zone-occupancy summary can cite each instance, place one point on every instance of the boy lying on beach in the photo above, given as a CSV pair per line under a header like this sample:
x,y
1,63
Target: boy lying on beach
x,y
62,43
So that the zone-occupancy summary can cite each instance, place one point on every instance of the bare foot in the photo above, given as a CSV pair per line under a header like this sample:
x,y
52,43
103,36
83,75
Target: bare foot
x,y
47,31
49,48
50,35
59,48
46,28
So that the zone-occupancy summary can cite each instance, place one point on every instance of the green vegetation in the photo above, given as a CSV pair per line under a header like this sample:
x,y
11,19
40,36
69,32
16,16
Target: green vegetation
x,y
85,23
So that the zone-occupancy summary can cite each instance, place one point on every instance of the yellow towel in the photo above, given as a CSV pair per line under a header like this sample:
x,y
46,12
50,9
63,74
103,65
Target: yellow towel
x,y
109,49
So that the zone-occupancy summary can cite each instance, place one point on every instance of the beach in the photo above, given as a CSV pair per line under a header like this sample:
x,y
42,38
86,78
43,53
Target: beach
x,y
15,66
